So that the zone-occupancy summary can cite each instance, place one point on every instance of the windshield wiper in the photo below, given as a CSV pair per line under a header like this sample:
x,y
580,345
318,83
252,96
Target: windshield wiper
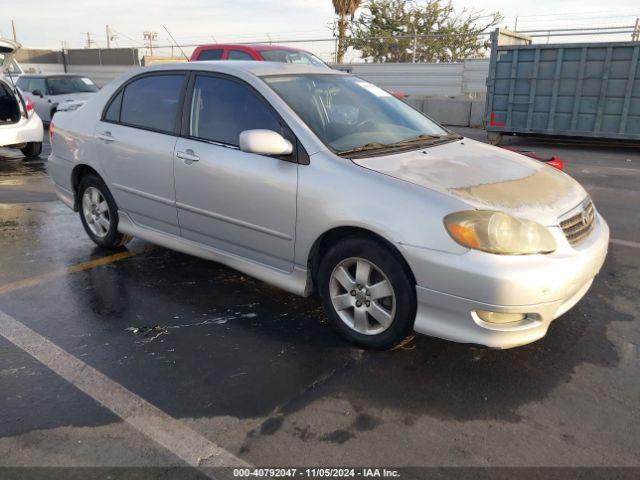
x,y
424,139
366,147
419,138
427,139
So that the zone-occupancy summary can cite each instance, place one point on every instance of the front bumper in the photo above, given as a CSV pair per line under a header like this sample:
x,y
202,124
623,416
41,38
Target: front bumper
x,y
25,131
450,288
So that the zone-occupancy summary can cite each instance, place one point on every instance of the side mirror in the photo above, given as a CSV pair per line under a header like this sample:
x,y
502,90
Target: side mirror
x,y
38,93
264,142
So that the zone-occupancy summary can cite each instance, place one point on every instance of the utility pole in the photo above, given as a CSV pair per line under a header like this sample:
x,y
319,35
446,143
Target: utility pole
x,y
111,36
150,37
635,36
13,29
90,41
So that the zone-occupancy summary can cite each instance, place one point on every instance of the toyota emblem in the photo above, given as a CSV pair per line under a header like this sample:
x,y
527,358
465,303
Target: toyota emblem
x,y
585,218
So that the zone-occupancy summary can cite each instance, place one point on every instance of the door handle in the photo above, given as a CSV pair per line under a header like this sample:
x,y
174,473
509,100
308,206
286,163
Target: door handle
x,y
106,136
188,156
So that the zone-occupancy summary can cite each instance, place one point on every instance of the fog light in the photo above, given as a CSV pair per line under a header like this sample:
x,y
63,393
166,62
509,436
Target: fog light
x,y
500,317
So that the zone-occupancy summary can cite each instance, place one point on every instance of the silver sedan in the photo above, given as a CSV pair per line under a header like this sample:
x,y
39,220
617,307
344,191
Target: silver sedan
x,y
315,180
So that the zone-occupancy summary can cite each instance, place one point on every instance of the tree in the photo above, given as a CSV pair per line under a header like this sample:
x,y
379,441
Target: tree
x,y
344,9
408,31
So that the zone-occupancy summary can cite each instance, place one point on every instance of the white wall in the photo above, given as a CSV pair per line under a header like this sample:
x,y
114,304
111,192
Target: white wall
x,y
42,67
100,74
414,79
426,79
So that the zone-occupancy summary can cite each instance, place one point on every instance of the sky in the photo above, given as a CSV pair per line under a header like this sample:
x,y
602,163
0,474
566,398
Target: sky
x,y
47,24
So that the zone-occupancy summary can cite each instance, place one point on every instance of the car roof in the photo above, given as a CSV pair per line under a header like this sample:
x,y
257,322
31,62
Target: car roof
x,y
249,46
258,69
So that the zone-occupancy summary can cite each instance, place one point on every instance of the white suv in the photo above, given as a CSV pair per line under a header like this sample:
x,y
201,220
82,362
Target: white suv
x,y
20,126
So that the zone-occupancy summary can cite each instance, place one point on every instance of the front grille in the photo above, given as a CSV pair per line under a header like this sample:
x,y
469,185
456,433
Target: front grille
x,y
579,225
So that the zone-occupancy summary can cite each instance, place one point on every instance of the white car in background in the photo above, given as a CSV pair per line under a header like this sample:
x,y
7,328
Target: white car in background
x,y
20,126
52,92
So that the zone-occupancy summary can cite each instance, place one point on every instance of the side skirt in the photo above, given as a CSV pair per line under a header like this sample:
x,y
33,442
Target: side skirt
x,y
297,282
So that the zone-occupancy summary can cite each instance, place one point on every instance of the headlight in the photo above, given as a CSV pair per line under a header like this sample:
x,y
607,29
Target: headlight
x,y
497,232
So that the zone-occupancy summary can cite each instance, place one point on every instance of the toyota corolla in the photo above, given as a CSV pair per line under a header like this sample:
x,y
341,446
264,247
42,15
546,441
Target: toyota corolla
x,y
316,181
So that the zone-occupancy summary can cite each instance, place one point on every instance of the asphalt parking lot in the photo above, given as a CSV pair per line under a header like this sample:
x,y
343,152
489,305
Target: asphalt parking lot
x,y
207,362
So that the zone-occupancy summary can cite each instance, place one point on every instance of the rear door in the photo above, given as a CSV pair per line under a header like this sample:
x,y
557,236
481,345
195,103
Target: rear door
x,y
135,141
242,203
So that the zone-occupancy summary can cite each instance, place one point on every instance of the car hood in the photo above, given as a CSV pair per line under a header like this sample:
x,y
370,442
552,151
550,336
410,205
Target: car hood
x,y
486,178
8,49
72,97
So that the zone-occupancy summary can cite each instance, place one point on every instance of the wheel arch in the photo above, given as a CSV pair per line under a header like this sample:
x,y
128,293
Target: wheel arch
x,y
77,174
338,234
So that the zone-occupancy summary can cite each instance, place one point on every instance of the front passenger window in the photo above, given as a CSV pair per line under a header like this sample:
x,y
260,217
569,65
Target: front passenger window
x,y
23,83
221,109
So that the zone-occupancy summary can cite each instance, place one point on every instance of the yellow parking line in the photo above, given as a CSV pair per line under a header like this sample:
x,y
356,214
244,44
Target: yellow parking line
x,y
45,277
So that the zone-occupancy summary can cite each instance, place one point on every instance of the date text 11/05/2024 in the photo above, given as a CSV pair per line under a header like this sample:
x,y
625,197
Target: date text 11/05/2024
x,y
316,472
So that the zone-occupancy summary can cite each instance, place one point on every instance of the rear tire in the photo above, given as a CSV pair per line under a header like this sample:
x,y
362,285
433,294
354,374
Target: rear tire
x,y
32,149
367,293
99,213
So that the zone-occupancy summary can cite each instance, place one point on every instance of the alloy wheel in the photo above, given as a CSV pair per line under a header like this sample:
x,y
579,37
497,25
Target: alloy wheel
x,y
96,212
362,296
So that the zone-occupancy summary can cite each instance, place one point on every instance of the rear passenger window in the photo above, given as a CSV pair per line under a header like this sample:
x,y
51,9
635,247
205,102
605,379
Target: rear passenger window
x,y
238,55
113,112
221,109
210,54
152,102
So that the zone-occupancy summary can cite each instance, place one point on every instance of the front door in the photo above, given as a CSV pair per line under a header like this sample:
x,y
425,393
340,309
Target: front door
x,y
241,203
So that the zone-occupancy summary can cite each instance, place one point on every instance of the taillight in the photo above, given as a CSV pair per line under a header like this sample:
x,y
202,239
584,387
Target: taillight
x,y
29,105
51,133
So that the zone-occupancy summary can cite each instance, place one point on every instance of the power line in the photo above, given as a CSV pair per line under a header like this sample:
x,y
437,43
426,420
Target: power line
x,y
126,36
580,13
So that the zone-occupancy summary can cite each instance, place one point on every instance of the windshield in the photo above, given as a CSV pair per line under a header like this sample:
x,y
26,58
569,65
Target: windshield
x,y
292,56
64,85
349,114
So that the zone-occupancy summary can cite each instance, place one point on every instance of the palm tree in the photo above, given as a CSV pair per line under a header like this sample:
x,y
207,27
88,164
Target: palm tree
x,y
344,9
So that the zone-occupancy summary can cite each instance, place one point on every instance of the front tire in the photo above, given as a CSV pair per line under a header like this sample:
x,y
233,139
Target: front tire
x,y
99,213
32,149
367,293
